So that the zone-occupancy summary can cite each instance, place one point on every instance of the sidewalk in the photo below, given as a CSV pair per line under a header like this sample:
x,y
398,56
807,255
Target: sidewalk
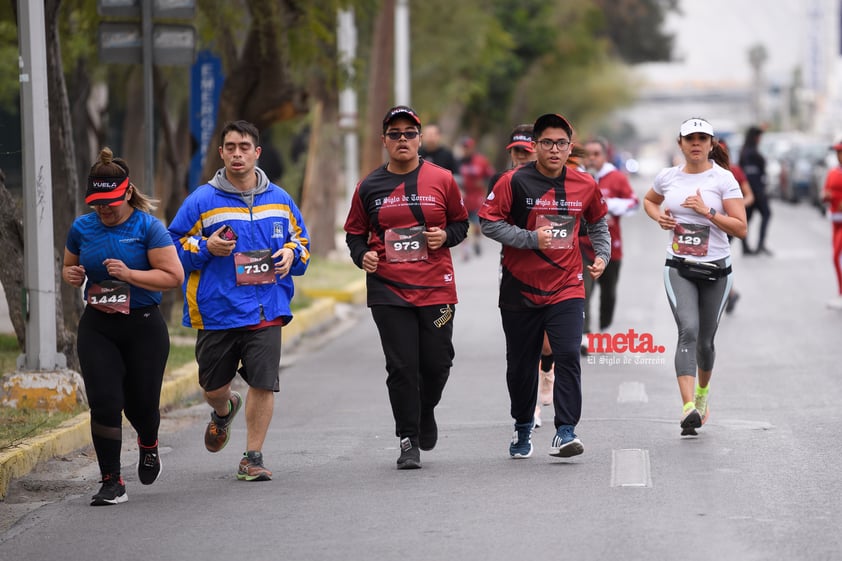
x,y
179,386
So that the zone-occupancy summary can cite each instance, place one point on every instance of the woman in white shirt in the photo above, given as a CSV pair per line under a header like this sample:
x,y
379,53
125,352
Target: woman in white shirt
x,y
700,203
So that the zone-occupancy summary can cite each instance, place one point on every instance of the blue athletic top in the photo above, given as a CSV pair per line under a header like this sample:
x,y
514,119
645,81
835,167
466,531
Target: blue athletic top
x,y
94,242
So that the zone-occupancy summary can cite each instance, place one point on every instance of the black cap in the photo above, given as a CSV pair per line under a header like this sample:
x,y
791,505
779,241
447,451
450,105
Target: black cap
x,y
400,111
551,120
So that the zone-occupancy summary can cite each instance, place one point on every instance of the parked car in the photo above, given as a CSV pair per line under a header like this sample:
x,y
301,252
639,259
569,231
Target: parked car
x,y
776,147
809,160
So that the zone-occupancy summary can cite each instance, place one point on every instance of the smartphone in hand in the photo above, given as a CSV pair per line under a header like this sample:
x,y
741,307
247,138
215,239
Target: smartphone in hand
x,y
228,234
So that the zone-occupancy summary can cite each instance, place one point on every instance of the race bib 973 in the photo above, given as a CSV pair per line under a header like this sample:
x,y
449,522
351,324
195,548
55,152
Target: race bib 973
x,y
406,244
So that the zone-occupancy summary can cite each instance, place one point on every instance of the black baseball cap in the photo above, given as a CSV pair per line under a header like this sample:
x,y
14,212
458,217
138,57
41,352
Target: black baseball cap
x,y
551,120
401,111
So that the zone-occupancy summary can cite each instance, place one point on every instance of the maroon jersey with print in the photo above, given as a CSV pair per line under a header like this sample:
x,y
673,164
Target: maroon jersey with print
x,y
383,201
531,277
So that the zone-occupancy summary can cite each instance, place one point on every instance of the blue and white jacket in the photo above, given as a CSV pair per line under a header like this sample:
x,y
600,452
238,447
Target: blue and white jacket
x,y
263,218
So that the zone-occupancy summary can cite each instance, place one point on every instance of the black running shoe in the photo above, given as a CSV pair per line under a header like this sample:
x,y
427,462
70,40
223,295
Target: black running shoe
x,y
112,492
148,463
410,457
690,422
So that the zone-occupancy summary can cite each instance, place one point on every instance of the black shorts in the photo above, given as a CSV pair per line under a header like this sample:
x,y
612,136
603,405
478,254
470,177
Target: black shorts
x,y
219,352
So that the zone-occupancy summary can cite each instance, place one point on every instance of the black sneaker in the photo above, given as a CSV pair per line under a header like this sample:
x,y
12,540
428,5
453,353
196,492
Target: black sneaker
x,y
410,454
690,422
148,463
429,430
112,492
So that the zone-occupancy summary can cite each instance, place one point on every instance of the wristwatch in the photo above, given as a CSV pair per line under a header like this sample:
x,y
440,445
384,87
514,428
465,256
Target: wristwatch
x,y
711,213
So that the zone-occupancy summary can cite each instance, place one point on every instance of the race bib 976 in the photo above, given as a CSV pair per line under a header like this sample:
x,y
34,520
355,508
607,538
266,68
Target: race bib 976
x,y
562,229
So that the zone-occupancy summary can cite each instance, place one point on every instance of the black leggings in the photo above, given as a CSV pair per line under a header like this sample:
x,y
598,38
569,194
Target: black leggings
x,y
123,358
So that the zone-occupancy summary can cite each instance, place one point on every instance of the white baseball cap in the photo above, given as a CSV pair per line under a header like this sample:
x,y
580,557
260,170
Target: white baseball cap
x,y
695,124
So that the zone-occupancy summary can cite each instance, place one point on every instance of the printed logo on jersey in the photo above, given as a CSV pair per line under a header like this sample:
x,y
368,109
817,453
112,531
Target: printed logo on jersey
x,y
448,277
130,240
545,204
277,229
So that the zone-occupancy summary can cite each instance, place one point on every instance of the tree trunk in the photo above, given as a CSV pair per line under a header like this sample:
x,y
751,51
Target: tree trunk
x,y
11,246
259,88
65,186
321,180
379,87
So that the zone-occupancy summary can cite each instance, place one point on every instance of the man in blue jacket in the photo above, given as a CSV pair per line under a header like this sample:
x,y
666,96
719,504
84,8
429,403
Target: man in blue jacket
x,y
240,238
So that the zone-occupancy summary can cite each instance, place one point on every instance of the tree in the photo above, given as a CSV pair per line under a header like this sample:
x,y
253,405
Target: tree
x,y
259,87
635,28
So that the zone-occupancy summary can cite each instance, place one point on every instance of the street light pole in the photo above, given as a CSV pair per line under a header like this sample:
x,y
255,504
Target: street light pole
x,y
402,62
39,270
148,97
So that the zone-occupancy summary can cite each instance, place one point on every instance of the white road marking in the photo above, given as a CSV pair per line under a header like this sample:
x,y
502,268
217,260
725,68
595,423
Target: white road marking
x,y
630,468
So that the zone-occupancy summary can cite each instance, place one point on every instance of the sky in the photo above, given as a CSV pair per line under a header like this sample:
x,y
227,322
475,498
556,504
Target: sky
x,y
712,39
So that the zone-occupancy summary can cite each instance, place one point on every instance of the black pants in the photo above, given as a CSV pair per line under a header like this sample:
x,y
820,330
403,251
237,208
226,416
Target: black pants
x,y
123,358
524,331
607,293
761,205
418,344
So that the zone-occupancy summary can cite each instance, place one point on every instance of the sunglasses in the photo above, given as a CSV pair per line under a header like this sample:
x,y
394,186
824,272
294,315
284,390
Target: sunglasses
x,y
396,135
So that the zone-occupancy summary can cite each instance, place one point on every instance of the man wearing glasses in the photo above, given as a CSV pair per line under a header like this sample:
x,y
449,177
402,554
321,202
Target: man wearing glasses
x,y
536,211
404,218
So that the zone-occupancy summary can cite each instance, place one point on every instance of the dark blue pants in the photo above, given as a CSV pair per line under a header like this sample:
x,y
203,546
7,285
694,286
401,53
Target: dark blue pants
x,y
524,331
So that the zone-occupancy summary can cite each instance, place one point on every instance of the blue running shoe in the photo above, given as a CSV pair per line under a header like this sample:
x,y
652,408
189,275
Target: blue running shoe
x,y
521,446
566,443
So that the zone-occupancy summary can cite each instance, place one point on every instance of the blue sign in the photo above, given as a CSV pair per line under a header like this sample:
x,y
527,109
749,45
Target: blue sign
x,y
206,81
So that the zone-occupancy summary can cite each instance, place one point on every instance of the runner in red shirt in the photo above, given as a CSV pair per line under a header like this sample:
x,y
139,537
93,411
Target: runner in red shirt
x,y
621,201
535,211
832,196
404,218
474,172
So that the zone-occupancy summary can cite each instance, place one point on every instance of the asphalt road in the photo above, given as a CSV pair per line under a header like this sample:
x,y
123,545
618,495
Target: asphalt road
x,y
759,483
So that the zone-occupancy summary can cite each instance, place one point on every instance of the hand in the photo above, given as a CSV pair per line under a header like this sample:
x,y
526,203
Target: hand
x,y
370,260
597,268
435,237
666,221
220,247
74,275
545,237
696,203
283,265
117,269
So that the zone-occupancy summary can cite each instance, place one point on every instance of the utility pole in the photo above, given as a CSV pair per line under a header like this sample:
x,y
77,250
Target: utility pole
x,y
402,62
347,40
757,56
39,275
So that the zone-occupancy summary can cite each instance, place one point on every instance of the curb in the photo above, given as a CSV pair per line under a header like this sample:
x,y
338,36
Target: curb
x,y
179,386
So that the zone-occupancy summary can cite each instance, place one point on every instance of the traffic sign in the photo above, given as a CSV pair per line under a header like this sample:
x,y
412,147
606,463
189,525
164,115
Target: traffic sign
x,y
172,45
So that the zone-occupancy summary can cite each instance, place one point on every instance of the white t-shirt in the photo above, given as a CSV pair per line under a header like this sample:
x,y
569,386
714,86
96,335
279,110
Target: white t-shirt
x,y
700,239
